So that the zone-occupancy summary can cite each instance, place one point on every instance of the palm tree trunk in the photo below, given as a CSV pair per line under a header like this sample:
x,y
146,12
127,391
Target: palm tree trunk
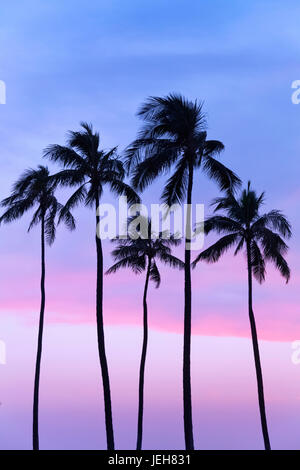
x,y
187,393
35,429
259,376
100,336
142,364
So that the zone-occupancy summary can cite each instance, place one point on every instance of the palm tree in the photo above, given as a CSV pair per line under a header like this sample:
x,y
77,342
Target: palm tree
x,y
174,133
35,188
141,254
244,226
90,168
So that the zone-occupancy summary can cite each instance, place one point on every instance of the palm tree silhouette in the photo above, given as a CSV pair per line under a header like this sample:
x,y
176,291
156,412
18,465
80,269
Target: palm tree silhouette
x,y
140,254
260,235
91,169
174,133
36,188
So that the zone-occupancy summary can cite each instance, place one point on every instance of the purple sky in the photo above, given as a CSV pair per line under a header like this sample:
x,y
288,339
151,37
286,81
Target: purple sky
x,y
64,62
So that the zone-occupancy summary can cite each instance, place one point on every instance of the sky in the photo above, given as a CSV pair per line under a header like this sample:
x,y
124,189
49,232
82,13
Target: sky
x,y
97,61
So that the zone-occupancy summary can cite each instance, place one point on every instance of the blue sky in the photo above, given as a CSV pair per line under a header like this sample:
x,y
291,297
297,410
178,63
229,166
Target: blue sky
x,y
64,62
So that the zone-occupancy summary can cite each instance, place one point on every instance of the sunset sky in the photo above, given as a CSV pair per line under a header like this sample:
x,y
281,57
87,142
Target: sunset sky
x,y
96,61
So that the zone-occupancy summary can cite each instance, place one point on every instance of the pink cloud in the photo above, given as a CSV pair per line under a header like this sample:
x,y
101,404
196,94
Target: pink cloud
x,y
219,294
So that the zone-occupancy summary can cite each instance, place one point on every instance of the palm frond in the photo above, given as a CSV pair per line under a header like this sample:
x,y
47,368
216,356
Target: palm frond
x,y
171,260
76,198
257,262
250,205
230,205
274,248
214,252
66,217
274,220
242,216
282,266
87,126
220,224
240,245
175,189
135,152
30,178
150,168
213,147
122,189
64,155
270,242
125,250
94,193
86,143
168,240
17,210
36,219
136,264
174,114
50,227
68,177
154,274
224,177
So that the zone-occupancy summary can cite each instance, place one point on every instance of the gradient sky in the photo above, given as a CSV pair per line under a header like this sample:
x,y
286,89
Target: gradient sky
x,y
64,62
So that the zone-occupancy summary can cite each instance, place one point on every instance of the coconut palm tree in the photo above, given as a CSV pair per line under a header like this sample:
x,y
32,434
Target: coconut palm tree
x,y
174,135
91,169
35,188
261,235
141,254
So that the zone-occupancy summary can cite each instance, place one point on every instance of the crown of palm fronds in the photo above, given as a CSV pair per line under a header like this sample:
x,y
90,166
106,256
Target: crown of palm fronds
x,y
244,225
88,167
174,133
135,252
36,188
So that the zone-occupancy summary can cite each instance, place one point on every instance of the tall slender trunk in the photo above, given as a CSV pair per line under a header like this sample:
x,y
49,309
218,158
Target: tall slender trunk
x,y
187,393
35,428
259,377
142,364
100,336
